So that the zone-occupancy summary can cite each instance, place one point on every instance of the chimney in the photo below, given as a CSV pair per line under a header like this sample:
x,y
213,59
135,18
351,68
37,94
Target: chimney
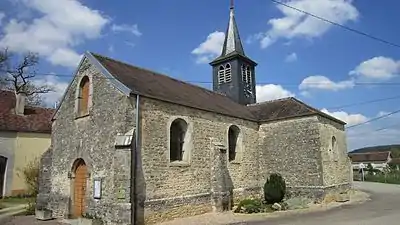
x,y
20,99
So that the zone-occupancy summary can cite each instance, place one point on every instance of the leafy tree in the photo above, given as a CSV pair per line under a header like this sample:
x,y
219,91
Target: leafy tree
x,y
17,74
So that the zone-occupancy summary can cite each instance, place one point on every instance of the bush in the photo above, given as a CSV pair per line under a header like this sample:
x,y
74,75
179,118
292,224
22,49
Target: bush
x,y
274,189
30,173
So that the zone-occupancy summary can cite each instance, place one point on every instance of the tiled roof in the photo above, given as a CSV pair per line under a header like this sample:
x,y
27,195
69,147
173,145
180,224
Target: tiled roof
x,y
165,88
285,108
369,157
35,119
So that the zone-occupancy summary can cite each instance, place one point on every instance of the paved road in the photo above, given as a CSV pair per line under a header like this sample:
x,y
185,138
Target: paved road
x,y
382,209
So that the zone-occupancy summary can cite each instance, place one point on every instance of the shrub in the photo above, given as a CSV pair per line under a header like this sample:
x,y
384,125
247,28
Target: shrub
x,y
249,206
274,189
30,173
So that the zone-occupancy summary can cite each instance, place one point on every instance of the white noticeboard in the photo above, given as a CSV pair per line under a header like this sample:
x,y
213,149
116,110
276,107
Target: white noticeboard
x,y
97,189
362,166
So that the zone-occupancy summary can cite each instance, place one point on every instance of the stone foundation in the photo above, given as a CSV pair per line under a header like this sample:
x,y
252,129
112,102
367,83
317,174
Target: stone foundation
x,y
318,193
159,210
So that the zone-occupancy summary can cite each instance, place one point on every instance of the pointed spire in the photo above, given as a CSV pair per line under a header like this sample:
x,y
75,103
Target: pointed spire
x,y
232,39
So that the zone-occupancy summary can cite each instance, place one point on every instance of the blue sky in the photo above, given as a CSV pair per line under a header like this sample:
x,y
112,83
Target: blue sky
x,y
298,55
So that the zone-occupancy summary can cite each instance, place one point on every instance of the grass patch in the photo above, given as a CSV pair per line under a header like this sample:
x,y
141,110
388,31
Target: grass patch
x,y
15,201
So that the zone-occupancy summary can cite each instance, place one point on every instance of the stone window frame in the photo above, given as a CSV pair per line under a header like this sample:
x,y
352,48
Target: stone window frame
x,y
334,147
77,97
239,148
187,145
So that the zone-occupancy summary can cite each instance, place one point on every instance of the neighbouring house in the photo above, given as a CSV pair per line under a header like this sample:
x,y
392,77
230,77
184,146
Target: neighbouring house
x,y
378,160
24,135
132,144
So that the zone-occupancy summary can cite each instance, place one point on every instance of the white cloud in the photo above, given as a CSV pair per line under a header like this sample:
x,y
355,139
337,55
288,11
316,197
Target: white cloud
x,y
350,119
271,92
291,57
210,48
294,24
379,68
324,83
56,31
2,16
134,29
130,44
58,85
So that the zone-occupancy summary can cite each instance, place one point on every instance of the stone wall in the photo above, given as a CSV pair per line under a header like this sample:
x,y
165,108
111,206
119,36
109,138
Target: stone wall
x,y
92,139
292,148
336,165
7,143
168,183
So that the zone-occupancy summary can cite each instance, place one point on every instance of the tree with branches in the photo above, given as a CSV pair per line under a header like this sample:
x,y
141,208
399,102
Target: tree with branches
x,y
17,74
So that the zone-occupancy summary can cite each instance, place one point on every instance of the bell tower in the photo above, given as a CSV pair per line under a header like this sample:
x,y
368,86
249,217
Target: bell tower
x,y
233,71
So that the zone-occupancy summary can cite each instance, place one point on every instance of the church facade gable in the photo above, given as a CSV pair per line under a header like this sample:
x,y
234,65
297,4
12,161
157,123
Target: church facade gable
x,y
92,113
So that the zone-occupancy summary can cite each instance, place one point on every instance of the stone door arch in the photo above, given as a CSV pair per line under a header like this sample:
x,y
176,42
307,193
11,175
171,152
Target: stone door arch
x,y
3,166
80,172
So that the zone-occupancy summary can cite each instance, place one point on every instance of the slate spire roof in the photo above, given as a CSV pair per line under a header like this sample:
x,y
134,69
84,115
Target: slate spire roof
x,y
232,46
232,43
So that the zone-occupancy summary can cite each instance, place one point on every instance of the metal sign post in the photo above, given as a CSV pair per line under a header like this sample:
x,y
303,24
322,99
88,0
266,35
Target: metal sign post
x,y
362,166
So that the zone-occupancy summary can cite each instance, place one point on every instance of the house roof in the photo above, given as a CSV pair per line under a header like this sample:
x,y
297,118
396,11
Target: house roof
x,y
35,119
158,86
369,157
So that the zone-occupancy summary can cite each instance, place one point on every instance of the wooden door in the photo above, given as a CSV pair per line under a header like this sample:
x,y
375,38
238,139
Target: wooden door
x,y
80,189
3,165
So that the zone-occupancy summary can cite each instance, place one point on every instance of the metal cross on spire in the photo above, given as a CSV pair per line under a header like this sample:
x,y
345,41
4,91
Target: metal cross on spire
x,y
232,4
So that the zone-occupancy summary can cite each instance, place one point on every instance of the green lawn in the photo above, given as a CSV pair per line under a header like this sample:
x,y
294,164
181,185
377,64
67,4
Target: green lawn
x,y
13,201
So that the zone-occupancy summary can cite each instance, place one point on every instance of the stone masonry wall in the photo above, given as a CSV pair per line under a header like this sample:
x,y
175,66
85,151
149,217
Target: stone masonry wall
x,y
92,139
182,184
292,148
335,163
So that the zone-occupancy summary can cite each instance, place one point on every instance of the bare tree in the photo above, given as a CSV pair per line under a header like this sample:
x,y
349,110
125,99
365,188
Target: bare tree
x,y
18,74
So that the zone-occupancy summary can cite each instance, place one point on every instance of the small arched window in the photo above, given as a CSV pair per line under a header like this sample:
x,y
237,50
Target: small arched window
x,y
228,73
83,105
334,144
233,135
221,75
178,131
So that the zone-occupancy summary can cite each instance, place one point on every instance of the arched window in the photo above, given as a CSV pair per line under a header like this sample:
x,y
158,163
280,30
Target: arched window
x,y
334,144
228,74
178,131
83,104
221,75
233,135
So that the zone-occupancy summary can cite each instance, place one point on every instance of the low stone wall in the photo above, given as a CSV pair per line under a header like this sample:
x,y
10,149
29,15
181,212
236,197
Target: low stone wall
x,y
317,192
159,210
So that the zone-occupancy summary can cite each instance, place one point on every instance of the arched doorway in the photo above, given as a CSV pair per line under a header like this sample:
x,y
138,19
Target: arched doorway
x,y
80,183
3,166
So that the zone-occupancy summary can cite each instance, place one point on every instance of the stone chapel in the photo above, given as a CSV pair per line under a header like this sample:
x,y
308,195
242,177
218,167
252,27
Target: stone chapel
x,y
129,144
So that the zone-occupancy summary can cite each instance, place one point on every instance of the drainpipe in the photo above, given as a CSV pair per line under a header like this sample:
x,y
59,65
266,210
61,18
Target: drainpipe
x,y
134,160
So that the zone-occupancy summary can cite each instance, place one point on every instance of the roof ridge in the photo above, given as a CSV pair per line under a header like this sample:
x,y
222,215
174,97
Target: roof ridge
x,y
162,74
270,101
